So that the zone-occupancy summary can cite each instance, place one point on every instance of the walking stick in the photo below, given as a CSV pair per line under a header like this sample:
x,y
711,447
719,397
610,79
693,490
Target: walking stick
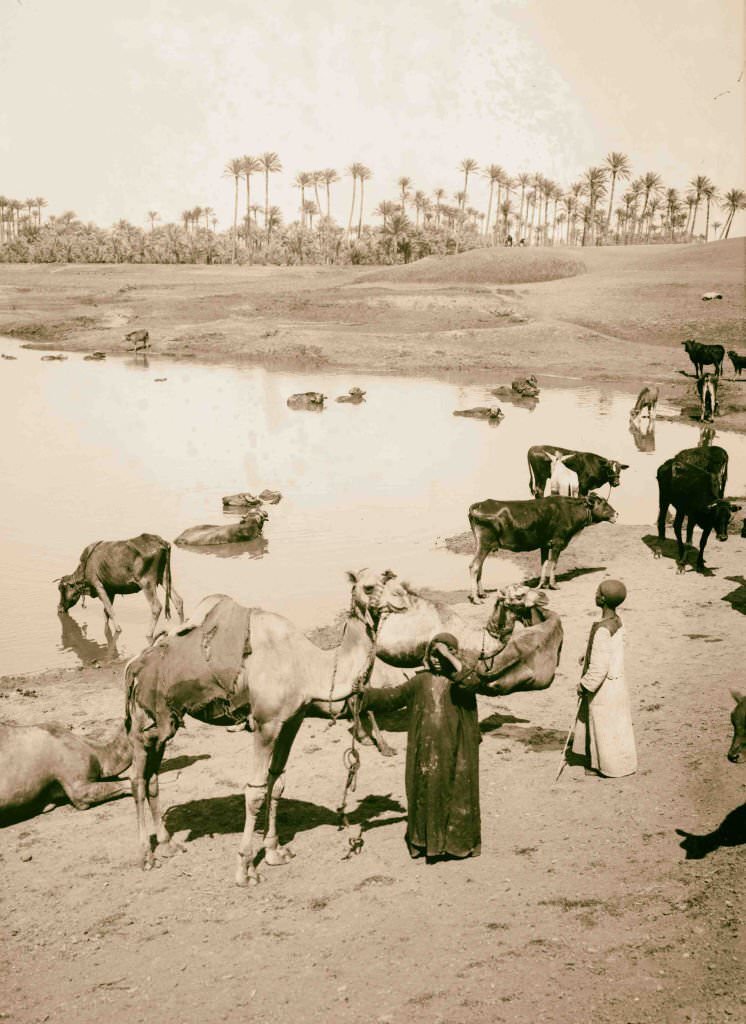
x,y
563,762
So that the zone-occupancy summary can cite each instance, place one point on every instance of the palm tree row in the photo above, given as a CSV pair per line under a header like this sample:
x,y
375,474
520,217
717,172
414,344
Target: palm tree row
x,y
12,219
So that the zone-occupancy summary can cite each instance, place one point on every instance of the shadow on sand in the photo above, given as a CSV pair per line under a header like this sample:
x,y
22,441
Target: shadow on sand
x,y
225,816
508,727
670,549
737,598
730,832
571,574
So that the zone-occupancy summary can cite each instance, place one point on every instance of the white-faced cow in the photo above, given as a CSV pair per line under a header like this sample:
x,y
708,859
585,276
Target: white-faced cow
x,y
593,470
704,355
707,389
694,483
546,524
111,567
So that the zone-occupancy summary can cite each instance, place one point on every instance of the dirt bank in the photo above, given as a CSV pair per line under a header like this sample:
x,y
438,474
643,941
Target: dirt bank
x,y
585,900
614,315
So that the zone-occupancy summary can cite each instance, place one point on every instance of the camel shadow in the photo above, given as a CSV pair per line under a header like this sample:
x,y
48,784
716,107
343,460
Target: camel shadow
x,y
571,574
175,764
669,548
730,832
497,720
225,816
536,738
737,598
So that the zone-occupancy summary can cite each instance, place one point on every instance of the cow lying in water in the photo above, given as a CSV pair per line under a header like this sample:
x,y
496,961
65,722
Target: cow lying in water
x,y
482,412
547,524
248,527
244,500
355,396
111,567
737,752
307,400
693,481
593,470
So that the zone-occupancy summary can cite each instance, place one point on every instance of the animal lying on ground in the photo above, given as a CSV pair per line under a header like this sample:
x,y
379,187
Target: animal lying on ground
x,y
707,389
246,500
694,485
503,659
562,480
547,524
226,665
354,395
709,296
647,401
593,470
94,356
4,356
53,359
481,412
249,527
111,567
138,340
307,400
36,761
737,751
704,355
522,387
739,362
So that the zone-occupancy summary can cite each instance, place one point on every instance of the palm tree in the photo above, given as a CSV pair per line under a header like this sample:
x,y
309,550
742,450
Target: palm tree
x,y
711,194
302,181
396,232
735,200
249,165
274,220
354,171
153,216
364,174
673,206
404,184
329,177
385,209
270,163
419,205
523,180
493,173
698,184
650,184
618,166
186,216
467,166
234,169
310,209
207,212
594,181
438,194
39,203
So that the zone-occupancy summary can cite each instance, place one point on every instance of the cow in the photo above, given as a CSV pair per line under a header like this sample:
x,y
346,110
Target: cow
x,y
354,396
482,412
138,340
546,524
248,528
709,296
307,400
739,362
737,752
707,389
593,470
704,355
647,401
695,487
111,567
563,480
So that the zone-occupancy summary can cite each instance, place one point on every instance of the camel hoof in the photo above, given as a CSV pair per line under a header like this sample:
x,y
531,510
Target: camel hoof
x,y
553,586
476,599
278,856
168,849
387,751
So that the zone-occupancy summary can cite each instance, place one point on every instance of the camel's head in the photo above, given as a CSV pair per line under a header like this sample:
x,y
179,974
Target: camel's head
x,y
515,602
375,592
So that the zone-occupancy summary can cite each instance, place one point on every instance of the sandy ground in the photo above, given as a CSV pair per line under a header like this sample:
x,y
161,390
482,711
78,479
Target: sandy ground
x,y
586,902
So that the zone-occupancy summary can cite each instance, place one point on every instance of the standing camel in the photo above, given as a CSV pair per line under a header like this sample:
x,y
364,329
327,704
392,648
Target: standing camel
x,y
226,665
38,760
504,661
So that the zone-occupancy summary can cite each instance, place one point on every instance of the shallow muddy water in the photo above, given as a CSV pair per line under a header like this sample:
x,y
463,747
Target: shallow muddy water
x,y
105,450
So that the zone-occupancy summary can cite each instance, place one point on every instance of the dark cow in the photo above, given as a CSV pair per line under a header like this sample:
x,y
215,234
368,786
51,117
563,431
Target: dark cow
x,y
248,527
111,567
312,400
704,355
694,485
707,389
593,470
739,362
737,752
546,524
138,340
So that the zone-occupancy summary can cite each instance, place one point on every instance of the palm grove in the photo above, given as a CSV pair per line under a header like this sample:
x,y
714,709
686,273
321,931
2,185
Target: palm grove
x,y
606,205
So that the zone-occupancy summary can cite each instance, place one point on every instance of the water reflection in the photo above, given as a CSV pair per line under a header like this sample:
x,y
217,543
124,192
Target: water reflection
x,y
643,434
707,435
74,638
256,548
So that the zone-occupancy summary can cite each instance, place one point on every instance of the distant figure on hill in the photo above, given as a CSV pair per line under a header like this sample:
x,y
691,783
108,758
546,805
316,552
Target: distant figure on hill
x,y
509,241
522,242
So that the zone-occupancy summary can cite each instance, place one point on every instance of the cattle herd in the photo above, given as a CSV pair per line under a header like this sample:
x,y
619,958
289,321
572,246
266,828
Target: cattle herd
x,y
251,669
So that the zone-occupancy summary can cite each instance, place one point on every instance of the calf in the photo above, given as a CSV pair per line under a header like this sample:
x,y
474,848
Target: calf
x,y
562,480
737,752
108,568
695,494
739,362
593,470
138,340
546,524
707,389
704,355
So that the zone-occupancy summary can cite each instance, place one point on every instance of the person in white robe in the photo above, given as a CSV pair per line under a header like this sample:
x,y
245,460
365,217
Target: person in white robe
x,y
603,729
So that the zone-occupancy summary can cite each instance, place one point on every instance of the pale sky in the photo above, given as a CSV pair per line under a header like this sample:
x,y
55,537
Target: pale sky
x,y
114,108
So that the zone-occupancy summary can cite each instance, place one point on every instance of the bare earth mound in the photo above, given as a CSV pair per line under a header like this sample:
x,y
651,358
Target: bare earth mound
x,y
484,266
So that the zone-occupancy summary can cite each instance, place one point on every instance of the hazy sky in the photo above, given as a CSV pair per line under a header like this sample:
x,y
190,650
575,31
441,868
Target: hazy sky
x,y
114,108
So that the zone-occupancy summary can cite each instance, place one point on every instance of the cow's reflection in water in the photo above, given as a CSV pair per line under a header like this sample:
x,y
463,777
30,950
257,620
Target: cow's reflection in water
x,y
255,548
74,639
643,434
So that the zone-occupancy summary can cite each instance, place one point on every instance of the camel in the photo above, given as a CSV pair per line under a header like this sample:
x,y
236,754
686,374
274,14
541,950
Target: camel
x,y
229,664
37,760
503,661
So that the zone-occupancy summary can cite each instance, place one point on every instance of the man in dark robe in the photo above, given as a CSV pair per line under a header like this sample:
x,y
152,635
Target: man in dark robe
x,y
442,774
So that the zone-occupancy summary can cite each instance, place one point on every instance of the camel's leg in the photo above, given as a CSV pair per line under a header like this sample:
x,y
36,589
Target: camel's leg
x,y
139,789
150,591
178,603
274,854
166,847
108,603
83,795
263,741
385,748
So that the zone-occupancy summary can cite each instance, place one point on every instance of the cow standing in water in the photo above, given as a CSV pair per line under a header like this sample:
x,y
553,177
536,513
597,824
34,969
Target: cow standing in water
x,y
546,524
647,402
111,567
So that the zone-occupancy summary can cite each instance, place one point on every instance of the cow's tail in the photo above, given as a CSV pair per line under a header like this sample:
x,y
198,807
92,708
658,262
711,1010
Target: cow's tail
x,y
167,581
130,681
